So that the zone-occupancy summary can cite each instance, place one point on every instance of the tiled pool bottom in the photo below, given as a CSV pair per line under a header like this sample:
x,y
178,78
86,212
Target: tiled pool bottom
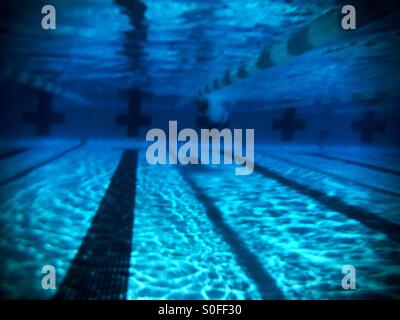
x,y
200,232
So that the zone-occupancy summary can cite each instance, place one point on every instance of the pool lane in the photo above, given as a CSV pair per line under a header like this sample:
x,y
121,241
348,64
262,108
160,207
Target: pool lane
x,y
249,261
342,178
366,174
21,166
177,251
100,269
356,162
45,215
379,204
301,243
378,158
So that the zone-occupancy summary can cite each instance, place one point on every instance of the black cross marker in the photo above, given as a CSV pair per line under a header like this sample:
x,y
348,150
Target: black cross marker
x,y
134,120
289,124
43,117
369,126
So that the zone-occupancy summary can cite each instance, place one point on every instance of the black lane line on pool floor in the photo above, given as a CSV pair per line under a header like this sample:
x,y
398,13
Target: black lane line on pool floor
x,y
27,171
332,175
12,153
372,221
354,162
100,269
249,262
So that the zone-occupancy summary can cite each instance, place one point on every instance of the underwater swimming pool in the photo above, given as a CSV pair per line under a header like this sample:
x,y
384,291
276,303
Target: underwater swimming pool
x,y
199,232
305,92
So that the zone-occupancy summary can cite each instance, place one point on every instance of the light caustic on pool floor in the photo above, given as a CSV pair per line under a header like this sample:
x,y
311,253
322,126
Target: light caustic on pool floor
x,y
370,196
199,232
300,242
177,254
45,215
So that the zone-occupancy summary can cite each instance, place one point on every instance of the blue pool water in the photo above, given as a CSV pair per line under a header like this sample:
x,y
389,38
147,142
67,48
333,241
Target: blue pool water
x,y
201,232
76,191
